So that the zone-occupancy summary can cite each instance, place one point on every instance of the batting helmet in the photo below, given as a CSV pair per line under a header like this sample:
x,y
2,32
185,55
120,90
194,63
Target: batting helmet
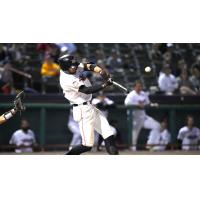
x,y
66,61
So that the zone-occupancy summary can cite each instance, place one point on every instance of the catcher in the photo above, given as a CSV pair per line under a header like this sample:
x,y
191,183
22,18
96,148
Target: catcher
x,y
18,106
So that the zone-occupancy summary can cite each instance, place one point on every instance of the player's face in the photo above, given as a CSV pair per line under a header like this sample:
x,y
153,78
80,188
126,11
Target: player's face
x,y
72,69
190,121
138,87
24,125
163,125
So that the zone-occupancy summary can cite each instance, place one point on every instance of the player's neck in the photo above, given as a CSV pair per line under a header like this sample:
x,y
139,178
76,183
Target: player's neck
x,y
138,92
190,127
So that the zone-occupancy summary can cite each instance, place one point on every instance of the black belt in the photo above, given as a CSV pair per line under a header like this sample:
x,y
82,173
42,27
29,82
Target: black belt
x,y
84,103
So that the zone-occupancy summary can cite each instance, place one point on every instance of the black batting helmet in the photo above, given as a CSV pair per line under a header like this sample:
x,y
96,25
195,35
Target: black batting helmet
x,y
66,61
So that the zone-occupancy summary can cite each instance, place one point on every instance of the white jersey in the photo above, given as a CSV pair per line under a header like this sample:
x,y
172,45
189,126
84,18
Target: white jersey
x,y
70,84
19,138
105,102
167,83
159,139
133,98
189,137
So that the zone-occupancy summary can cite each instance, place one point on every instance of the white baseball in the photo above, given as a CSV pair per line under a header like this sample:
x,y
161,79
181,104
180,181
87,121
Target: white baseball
x,y
147,69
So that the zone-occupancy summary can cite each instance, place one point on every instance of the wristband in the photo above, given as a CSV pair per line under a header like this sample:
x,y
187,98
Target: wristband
x,y
9,114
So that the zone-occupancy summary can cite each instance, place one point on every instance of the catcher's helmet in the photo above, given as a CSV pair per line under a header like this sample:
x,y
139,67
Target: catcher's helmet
x,y
66,61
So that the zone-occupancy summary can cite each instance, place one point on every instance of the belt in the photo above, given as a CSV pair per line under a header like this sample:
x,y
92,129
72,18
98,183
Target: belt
x,y
84,103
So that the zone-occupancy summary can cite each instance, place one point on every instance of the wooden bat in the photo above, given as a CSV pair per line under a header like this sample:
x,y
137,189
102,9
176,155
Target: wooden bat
x,y
119,86
20,72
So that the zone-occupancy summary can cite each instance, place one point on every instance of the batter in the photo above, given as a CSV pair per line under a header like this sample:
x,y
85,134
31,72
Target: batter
x,y
79,93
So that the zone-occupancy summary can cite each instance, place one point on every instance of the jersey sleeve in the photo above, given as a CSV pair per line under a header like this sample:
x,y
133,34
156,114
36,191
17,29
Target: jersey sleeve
x,y
12,139
166,138
181,134
147,100
130,100
33,135
198,133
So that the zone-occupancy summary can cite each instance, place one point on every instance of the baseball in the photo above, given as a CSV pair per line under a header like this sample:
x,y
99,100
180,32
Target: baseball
x,y
147,69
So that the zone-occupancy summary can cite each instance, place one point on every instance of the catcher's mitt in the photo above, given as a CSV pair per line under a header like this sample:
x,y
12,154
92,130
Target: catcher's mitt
x,y
18,104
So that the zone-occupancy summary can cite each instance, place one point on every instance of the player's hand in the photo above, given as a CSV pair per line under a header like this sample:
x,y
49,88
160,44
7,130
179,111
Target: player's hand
x,y
109,82
105,75
141,105
18,104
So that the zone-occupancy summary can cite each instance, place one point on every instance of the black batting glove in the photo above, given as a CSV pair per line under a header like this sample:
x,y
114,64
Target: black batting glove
x,y
105,75
109,82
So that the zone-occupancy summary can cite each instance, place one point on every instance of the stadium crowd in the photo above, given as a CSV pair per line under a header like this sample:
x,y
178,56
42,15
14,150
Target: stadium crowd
x,y
163,68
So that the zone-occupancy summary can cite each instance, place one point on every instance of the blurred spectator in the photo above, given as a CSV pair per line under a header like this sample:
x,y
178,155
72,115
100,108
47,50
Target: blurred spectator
x,y
24,138
167,58
49,70
167,81
48,49
6,79
195,79
155,52
159,139
2,54
99,55
189,135
196,64
68,48
128,63
114,62
185,86
181,66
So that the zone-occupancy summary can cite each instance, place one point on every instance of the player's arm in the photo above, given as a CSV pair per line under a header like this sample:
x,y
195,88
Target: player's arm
x,y
180,137
18,106
7,115
95,88
97,69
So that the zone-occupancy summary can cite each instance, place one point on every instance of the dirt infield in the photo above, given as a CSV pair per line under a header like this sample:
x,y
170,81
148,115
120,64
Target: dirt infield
x,y
126,152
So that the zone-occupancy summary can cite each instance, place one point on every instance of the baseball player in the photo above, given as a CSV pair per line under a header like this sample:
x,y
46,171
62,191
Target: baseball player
x,y
74,128
23,138
140,99
79,93
159,139
18,106
189,136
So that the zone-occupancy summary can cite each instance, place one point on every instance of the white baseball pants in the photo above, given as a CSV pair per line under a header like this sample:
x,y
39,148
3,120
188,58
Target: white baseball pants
x,y
90,119
147,123
76,139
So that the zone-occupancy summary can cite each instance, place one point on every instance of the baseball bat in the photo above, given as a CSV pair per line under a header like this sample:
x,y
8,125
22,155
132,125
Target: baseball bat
x,y
120,86
20,72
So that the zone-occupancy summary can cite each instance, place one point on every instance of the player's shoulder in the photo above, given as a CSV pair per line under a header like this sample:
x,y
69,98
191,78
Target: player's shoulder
x,y
66,78
196,128
132,93
17,132
183,129
144,93
31,132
